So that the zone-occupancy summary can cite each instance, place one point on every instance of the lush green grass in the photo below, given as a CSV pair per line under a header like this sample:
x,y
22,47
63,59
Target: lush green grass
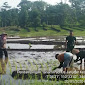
x,y
17,31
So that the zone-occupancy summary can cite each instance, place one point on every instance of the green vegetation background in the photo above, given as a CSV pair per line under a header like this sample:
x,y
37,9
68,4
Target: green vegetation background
x,y
38,18
48,31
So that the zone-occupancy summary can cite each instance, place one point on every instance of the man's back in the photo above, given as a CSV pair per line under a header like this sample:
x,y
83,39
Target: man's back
x,y
70,40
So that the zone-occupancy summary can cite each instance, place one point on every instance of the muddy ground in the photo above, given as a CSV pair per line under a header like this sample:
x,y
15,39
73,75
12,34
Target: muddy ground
x,y
32,60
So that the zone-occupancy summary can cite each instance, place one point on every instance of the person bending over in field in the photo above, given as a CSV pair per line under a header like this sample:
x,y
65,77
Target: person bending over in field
x,y
66,60
80,55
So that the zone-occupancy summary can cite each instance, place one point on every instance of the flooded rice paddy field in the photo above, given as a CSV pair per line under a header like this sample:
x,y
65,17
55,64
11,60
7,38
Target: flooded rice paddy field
x,y
31,61
41,43
38,46
57,38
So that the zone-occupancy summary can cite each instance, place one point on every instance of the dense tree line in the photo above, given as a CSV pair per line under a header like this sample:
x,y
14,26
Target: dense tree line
x,y
39,13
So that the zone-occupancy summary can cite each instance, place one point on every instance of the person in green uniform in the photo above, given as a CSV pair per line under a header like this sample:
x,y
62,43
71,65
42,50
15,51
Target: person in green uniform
x,y
70,42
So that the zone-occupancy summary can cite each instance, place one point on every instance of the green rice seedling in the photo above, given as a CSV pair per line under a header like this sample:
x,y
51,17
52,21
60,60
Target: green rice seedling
x,y
0,68
4,82
37,69
50,61
23,77
15,77
36,78
48,77
9,63
20,66
36,65
16,67
31,65
8,47
42,67
47,67
11,82
29,45
30,76
41,76
54,68
15,64
10,67
26,66
1,77
55,65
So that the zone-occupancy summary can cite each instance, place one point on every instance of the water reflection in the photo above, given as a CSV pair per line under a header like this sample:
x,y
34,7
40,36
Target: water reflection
x,y
3,63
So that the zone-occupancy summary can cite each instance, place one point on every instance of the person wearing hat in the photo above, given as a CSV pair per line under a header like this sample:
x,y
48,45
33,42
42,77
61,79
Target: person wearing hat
x,y
70,42
3,45
66,59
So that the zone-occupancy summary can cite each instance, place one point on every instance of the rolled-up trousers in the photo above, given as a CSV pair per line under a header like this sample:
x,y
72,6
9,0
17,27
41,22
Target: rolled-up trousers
x,y
3,51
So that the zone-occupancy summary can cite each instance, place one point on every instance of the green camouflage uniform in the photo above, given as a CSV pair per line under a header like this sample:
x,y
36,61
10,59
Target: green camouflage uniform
x,y
70,43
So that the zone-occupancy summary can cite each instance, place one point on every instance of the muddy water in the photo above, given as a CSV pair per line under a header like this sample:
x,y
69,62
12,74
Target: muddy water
x,y
58,38
31,61
27,46
38,46
31,58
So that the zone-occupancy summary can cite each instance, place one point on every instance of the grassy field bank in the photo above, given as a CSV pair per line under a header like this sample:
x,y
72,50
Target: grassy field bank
x,y
49,30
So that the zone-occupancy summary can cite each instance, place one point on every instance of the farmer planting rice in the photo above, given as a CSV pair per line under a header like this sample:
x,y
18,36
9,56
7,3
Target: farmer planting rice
x,y
80,55
65,60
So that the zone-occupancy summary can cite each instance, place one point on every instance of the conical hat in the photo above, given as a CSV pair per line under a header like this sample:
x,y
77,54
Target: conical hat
x,y
75,51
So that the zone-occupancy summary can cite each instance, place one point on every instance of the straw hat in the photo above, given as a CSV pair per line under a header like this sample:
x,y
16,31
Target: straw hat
x,y
4,34
75,51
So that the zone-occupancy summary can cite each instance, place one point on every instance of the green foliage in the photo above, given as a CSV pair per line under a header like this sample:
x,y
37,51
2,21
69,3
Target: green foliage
x,y
37,13
55,30
38,18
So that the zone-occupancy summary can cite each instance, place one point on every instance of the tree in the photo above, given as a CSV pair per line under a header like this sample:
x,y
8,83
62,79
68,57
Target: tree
x,y
23,14
5,15
79,6
40,7
14,17
35,19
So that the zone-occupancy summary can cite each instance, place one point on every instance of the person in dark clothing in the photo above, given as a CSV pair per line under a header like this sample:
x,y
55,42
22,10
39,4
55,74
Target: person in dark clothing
x,y
3,45
70,42
80,55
